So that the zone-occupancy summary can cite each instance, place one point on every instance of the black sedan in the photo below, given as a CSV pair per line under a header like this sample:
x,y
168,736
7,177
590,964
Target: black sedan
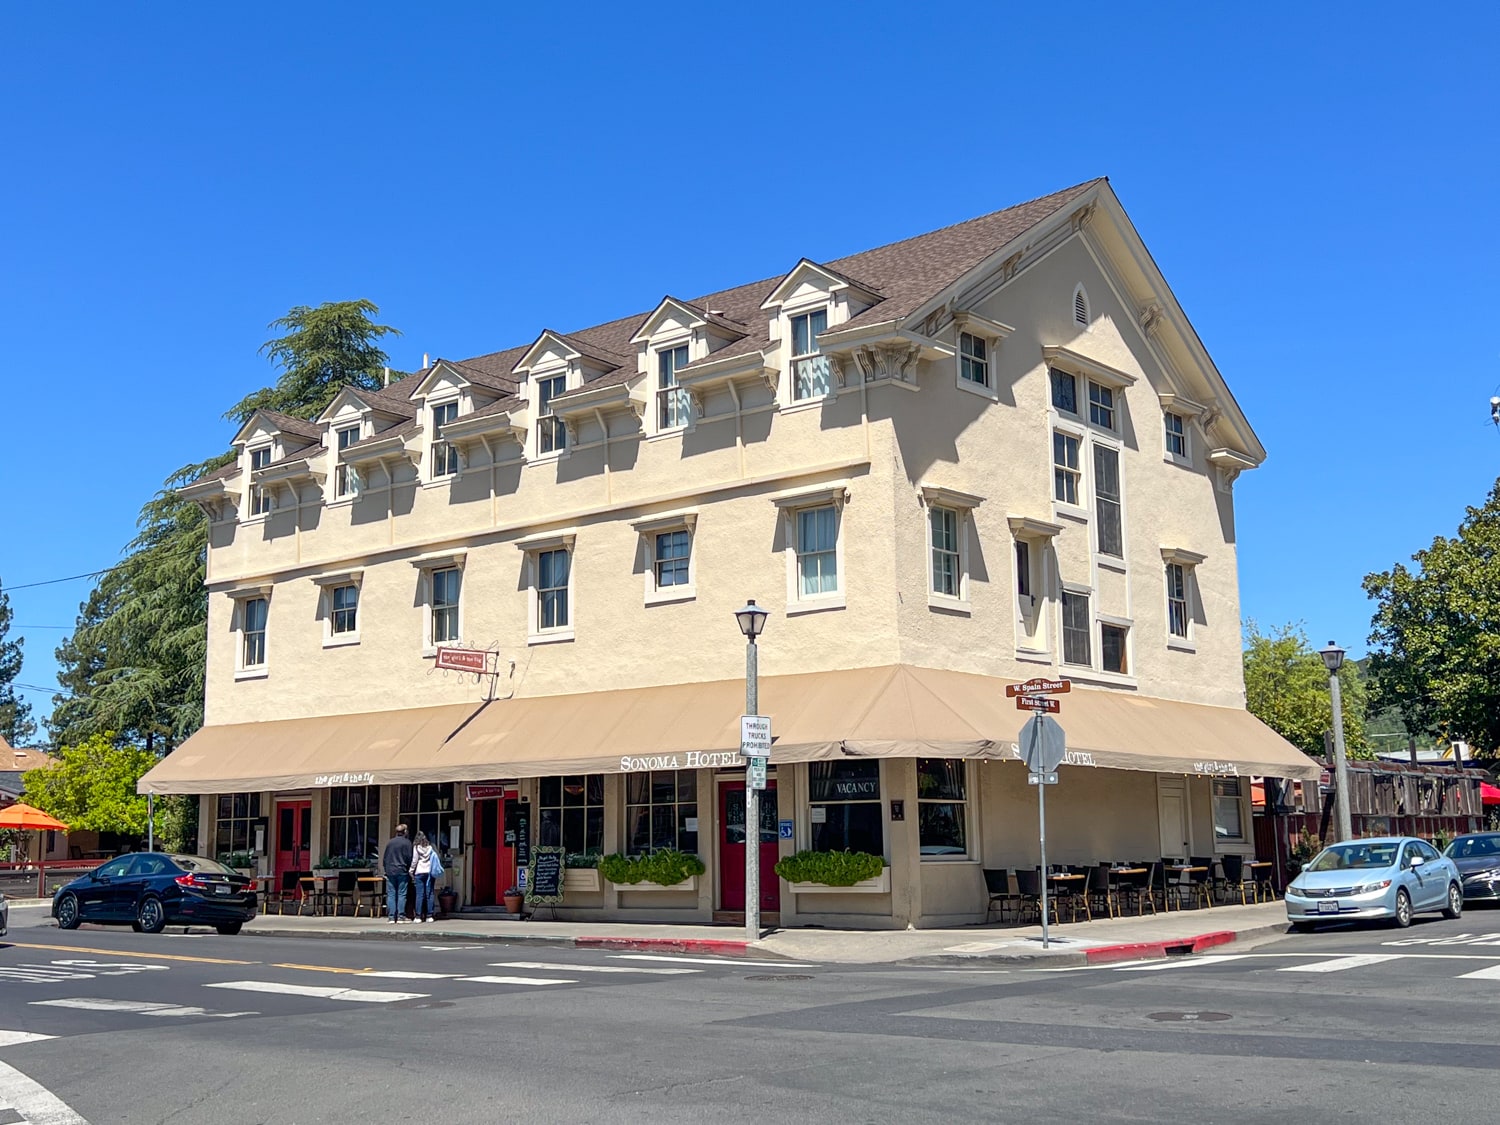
x,y
150,890
1478,860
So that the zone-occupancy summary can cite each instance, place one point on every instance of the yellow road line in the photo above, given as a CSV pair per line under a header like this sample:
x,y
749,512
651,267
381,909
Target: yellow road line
x,y
318,968
128,955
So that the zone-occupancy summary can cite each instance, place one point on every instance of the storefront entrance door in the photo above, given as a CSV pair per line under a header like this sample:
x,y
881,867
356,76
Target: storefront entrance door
x,y
494,846
293,837
732,847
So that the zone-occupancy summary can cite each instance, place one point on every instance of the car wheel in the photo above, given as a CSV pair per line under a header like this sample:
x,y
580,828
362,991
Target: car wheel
x,y
229,929
1403,909
150,917
1455,906
67,912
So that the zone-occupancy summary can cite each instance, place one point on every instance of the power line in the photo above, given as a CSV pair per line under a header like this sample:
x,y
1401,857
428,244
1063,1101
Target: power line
x,y
55,581
59,690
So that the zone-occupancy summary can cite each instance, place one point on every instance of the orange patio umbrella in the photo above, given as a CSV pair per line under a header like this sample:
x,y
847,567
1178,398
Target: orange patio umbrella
x,y
26,817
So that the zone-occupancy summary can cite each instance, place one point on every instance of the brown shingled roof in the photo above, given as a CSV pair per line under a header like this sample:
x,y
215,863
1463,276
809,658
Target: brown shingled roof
x,y
289,425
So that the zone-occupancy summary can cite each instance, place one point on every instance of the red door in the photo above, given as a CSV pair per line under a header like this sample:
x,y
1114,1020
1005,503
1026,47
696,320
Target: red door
x,y
494,848
293,837
732,848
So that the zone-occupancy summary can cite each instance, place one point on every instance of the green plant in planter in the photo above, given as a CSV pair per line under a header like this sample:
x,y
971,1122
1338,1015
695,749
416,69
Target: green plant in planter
x,y
667,867
237,859
343,862
582,860
832,869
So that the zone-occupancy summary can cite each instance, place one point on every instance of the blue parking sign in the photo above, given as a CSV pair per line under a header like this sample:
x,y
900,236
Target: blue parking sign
x,y
786,829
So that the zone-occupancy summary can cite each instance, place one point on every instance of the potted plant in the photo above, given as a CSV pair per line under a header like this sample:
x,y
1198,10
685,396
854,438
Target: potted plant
x,y
447,901
846,872
513,900
667,869
581,872
243,862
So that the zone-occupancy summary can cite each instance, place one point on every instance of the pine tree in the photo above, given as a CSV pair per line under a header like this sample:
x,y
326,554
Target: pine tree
x,y
16,724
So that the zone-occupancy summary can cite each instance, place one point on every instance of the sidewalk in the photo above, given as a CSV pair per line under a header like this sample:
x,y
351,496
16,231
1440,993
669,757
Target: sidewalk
x,y
1099,942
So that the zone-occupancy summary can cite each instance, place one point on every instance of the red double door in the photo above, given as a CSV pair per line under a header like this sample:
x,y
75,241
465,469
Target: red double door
x,y
500,843
293,837
732,848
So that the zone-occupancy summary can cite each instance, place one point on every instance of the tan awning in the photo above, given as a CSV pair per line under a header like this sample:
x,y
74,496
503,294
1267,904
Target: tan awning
x,y
892,711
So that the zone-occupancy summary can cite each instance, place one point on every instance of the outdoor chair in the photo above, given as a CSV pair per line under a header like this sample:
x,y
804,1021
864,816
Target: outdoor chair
x,y
1103,891
282,892
1265,882
1237,879
307,892
345,891
371,894
997,883
1140,890
1073,896
1029,890
1199,884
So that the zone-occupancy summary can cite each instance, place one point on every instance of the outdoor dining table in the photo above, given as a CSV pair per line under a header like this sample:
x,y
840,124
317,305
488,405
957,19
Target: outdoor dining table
x,y
1180,870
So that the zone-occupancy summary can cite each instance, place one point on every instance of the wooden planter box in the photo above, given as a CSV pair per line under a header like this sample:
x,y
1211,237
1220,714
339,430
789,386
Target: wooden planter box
x,y
582,880
879,885
688,884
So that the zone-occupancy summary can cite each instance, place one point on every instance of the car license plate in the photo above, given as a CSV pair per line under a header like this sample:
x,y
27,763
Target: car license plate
x,y
1328,907
223,889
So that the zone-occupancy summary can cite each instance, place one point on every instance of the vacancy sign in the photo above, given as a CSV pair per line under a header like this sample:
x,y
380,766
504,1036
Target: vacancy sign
x,y
755,736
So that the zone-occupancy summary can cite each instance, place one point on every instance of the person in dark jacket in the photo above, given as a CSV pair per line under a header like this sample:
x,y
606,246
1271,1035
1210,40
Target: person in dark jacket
x,y
396,860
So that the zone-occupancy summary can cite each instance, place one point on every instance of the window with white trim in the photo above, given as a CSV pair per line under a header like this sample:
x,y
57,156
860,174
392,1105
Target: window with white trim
x,y
672,558
1113,642
942,807
1064,390
447,588
943,532
444,453
553,581
973,359
1075,628
673,406
253,614
1111,537
1023,568
343,480
817,551
1176,435
1101,405
1065,471
1228,822
551,433
260,498
1177,603
810,372
343,611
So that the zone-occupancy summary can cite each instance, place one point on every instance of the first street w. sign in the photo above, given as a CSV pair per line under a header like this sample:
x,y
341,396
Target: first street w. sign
x,y
1038,703
1039,686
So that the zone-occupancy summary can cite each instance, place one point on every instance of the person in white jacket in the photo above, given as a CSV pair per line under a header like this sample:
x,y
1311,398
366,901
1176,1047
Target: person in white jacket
x,y
424,867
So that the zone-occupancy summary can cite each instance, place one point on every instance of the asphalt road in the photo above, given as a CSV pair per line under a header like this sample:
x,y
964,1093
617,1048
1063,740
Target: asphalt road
x,y
1341,1025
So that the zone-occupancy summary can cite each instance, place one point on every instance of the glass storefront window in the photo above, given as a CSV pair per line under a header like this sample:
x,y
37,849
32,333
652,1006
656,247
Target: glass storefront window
x,y
1227,823
427,808
570,812
234,824
354,822
845,807
659,806
942,807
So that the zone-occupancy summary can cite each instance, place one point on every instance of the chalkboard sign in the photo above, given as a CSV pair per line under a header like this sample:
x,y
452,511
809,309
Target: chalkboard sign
x,y
544,884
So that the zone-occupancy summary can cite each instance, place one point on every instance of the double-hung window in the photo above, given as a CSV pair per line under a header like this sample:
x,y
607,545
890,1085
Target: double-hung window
x,y
343,480
1112,648
672,551
943,524
552,435
1075,628
260,498
817,551
1065,471
552,574
1064,390
444,453
253,632
810,376
1107,500
1101,405
1176,435
570,812
447,585
344,610
1228,824
661,811
942,807
1177,606
673,407
973,359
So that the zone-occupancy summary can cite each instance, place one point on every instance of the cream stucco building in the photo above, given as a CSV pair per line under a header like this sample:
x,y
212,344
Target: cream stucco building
x,y
989,453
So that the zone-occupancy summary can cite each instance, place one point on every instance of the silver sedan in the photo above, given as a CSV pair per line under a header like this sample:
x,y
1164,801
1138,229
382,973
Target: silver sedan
x,y
1389,877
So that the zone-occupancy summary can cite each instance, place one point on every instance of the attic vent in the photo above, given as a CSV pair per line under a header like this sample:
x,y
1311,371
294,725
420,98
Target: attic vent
x,y
1080,305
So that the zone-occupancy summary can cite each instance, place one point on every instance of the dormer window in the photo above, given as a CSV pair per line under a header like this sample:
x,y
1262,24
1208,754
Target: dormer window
x,y
1064,391
342,481
973,359
444,453
810,378
260,499
1101,405
673,409
551,434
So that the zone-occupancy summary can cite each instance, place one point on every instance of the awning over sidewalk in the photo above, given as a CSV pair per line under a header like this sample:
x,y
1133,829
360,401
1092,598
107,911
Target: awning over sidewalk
x,y
892,711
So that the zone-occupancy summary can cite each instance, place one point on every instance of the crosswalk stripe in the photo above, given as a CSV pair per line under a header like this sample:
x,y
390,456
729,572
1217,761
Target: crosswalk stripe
x,y
135,1007
737,961
1339,964
355,995
34,1102
1214,959
539,982
406,974
549,966
15,1038
1491,973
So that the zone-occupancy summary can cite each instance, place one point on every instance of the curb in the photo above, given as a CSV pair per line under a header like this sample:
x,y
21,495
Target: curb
x,y
721,947
1108,954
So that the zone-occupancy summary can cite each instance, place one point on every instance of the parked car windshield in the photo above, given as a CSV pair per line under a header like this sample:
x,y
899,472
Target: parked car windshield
x,y
1466,846
198,863
1341,857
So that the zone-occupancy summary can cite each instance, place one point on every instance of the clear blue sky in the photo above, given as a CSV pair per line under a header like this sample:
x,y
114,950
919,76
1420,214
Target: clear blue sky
x,y
1317,182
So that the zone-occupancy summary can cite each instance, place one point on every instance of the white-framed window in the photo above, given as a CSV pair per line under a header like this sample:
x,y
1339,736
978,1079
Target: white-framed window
x,y
343,475
973,359
260,498
343,611
444,453
1065,470
942,808
943,539
253,615
554,579
674,409
661,811
1177,600
667,557
1101,405
443,609
1228,814
1076,627
1111,537
1064,390
810,372
671,563
817,551
1175,427
551,434
1023,568
1114,641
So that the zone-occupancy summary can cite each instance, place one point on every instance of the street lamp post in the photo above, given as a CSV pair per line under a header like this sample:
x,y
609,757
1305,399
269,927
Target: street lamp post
x,y
752,620
1333,660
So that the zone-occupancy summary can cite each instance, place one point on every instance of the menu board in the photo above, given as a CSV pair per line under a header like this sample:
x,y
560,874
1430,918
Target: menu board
x,y
544,883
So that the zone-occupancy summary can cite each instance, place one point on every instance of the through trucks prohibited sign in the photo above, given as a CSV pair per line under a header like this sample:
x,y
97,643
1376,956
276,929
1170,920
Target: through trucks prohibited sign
x,y
755,736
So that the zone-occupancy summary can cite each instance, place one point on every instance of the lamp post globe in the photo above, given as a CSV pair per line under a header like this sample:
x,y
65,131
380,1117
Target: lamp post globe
x,y
752,619
1333,657
1333,660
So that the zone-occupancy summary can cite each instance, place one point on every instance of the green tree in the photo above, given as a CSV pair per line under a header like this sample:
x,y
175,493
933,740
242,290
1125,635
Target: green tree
x,y
92,788
16,724
1286,687
323,349
1436,633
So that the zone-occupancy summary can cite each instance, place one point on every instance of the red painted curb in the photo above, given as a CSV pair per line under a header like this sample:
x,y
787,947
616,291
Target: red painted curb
x,y
667,945
1144,950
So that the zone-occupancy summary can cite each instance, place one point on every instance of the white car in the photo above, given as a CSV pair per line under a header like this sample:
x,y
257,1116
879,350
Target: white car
x,y
4,915
1387,877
